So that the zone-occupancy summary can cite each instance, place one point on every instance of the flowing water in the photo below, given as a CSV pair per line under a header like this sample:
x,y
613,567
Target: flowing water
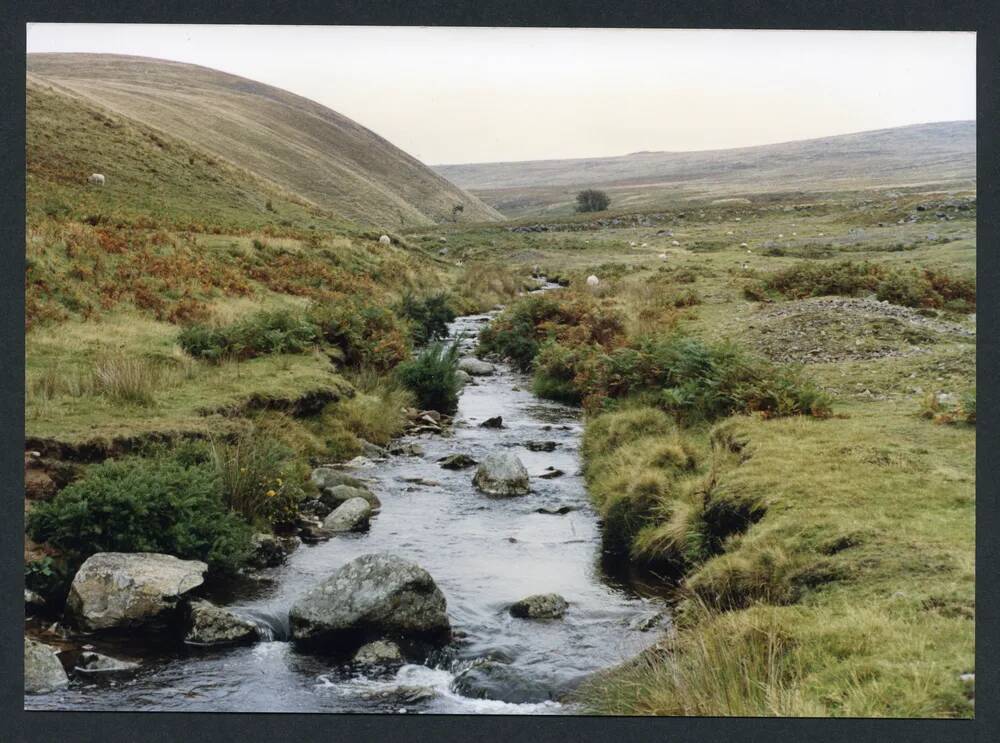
x,y
484,553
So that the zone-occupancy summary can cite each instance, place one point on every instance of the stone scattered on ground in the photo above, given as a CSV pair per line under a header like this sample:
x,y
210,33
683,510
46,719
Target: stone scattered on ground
x,y
494,422
501,474
328,477
117,589
91,662
462,376
541,445
379,652
551,473
351,515
375,595
420,481
43,671
406,450
540,606
457,462
209,624
372,451
475,367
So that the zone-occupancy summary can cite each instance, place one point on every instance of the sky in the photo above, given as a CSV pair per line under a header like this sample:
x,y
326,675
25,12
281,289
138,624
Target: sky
x,y
457,95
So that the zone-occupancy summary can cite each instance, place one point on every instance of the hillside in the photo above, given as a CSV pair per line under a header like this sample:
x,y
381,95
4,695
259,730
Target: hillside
x,y
940,153
298,145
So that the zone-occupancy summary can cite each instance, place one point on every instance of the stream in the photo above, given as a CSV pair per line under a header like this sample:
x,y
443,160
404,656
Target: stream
x,y
484,553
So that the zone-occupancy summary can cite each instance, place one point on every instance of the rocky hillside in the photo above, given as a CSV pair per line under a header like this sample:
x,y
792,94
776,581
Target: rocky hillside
x,y
297,144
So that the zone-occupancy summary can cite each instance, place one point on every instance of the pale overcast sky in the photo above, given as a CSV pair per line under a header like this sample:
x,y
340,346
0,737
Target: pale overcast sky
x,y
453,95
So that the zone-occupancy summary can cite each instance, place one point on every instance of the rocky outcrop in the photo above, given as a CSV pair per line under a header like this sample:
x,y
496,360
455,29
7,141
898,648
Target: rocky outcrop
x,y
209,624
501,474
270,551
117,590
374,596
43,672
540,606
351,515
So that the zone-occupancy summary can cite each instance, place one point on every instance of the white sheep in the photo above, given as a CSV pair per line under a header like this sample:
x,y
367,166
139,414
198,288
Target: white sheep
x,y
631,244
674,242
663,256
743,245
593,280
385,240
730,232
645,245
780,235
96,179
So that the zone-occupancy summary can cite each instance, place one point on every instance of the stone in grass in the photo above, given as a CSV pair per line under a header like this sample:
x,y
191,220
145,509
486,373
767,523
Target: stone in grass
x,y
540,606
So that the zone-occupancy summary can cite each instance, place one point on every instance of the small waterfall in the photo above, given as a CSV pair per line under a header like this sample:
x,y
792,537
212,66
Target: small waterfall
x,y
272,625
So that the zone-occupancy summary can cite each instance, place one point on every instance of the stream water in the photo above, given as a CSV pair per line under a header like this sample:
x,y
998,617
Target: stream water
x,y
484,553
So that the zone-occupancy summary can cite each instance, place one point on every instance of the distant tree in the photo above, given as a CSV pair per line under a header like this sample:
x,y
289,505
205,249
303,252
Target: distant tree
x,y
456,210
592,200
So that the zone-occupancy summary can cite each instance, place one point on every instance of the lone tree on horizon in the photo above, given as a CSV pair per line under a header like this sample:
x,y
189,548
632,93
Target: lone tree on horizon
x,y
592,200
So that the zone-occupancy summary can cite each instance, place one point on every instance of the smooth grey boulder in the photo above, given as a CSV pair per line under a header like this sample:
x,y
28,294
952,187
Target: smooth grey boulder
x,y
339,494
209,624
380,652
351,515
374,596
462,376
328,477
475,367
91,662
118,589
540,606
501,474
42,669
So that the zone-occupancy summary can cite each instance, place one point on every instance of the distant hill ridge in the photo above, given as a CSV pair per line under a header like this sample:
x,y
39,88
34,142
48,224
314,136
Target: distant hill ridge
x,y
297,144
920,152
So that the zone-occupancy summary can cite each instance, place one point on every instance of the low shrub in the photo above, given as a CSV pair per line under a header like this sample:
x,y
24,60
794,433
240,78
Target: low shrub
x,y
432,378
369,335
265,332
429,316
935,409
138,504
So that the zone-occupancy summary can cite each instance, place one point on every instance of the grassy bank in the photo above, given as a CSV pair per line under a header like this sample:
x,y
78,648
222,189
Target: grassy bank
x,y
822,551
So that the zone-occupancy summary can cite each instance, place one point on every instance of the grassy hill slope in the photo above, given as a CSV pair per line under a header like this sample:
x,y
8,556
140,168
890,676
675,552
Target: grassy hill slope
x,y
941,153
299,145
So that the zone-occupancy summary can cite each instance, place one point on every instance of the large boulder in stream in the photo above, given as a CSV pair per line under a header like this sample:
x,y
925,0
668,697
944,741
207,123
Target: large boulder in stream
x,y
475,367
501,474
339,494
114,590
329,477
374,596
209,624
540,606
351,515
43,671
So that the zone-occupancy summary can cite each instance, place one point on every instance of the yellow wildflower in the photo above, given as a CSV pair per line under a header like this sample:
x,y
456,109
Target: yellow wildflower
x,y
271,494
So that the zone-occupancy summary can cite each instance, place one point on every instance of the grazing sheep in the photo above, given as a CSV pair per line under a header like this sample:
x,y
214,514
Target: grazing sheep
x,y
746,266
631,244
385,240
674,242
730,232
645,245
663,256
96,179
780,235
743,245
593,280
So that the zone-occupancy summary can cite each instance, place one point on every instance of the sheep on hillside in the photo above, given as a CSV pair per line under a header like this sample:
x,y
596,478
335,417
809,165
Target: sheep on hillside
x,y
593,280
96,179
385,240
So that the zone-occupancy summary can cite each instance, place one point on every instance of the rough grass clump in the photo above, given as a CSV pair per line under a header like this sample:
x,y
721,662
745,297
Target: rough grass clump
x,y
259,477
934,408
428,316
159,504
262,333
431,377
127,379
927,288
